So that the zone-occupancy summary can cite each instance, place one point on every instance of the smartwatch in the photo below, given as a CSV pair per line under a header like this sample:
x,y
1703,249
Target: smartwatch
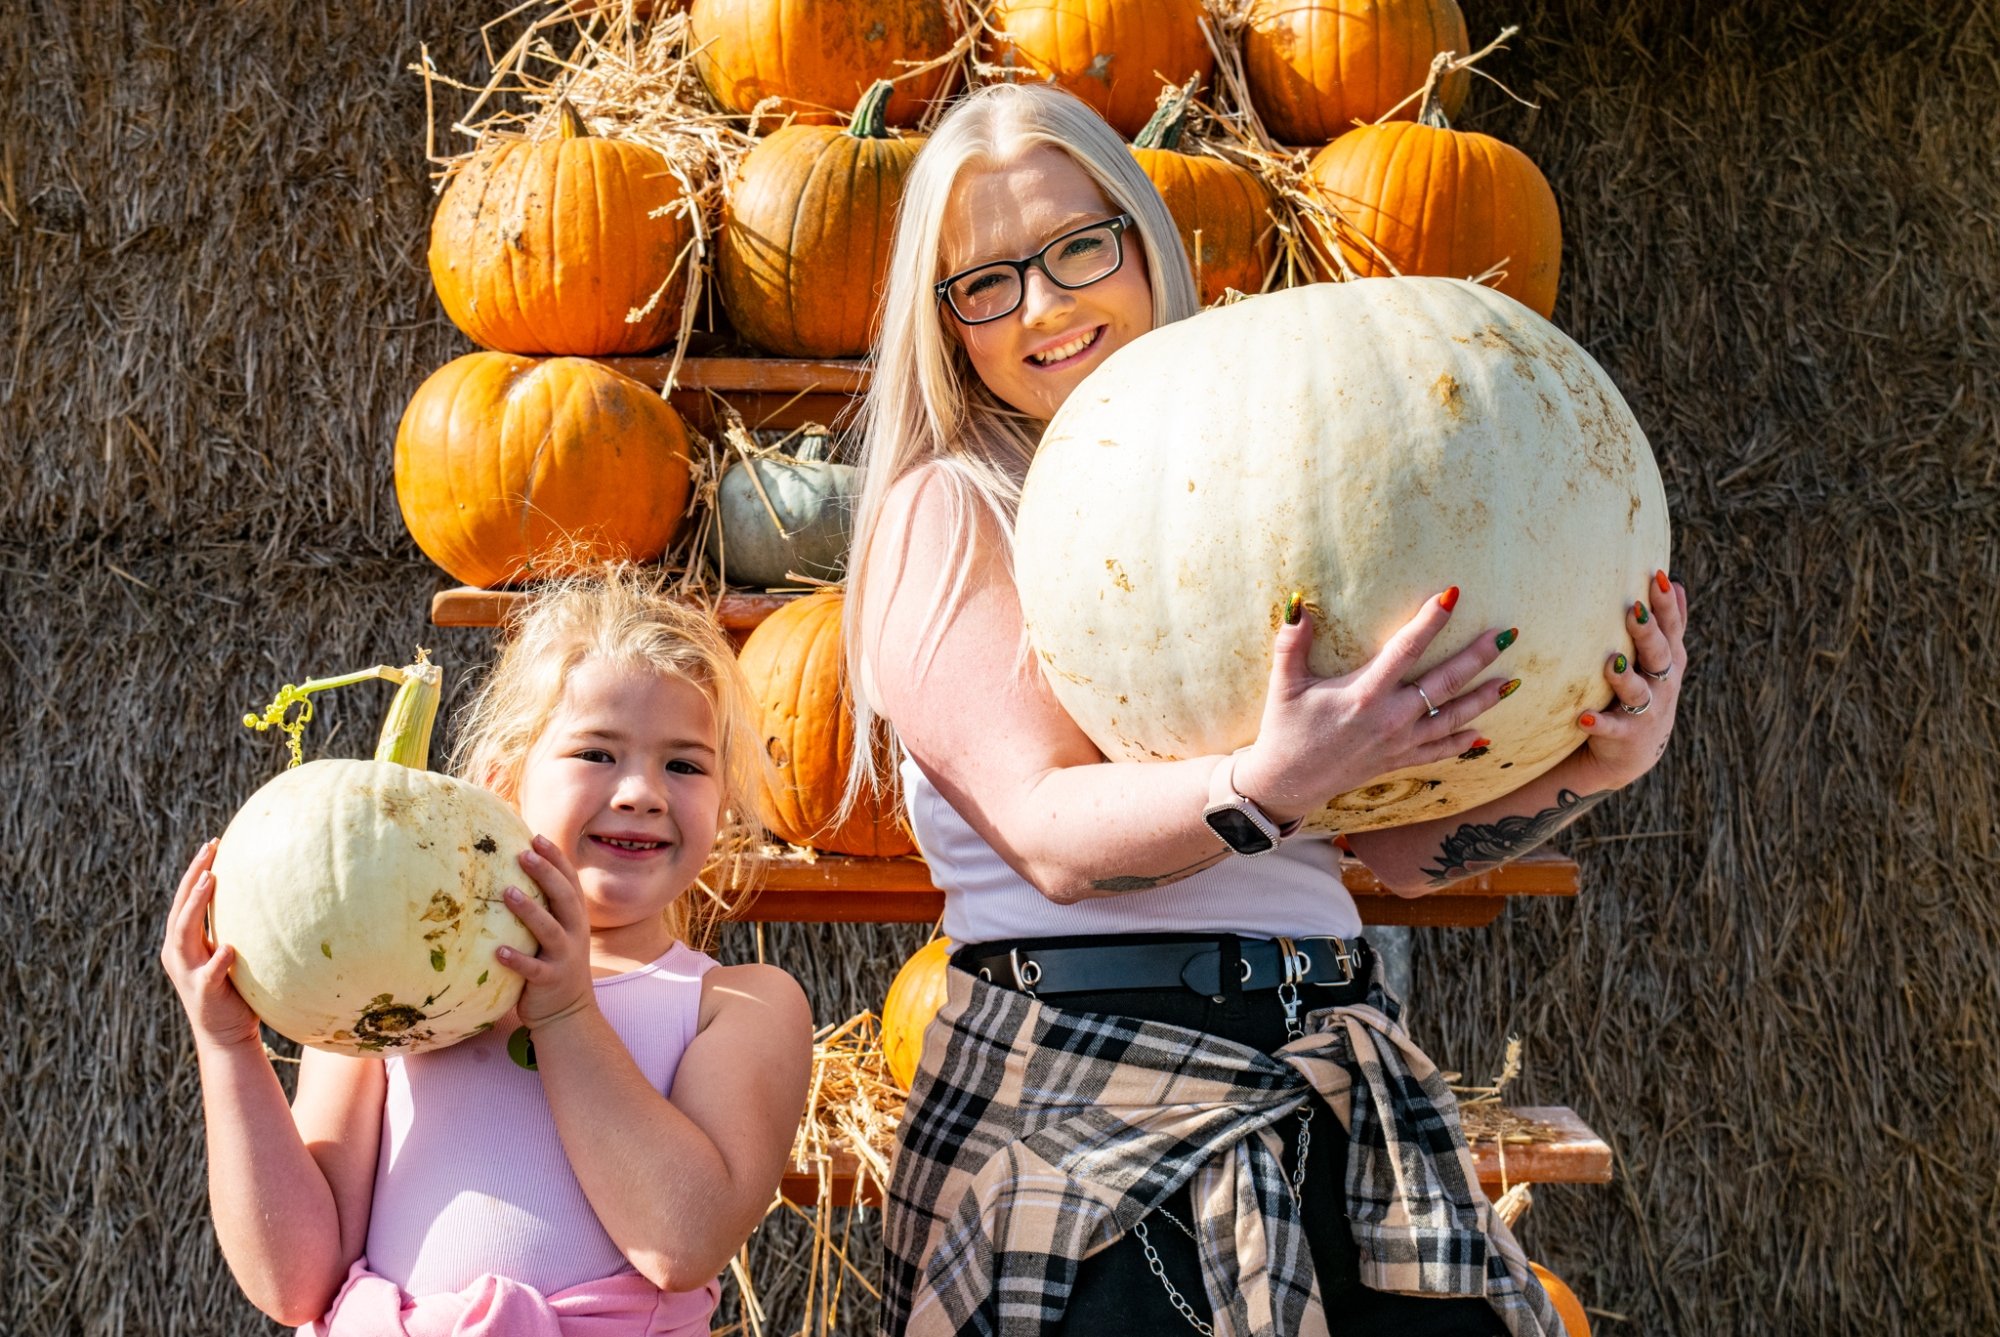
x,y
1237,822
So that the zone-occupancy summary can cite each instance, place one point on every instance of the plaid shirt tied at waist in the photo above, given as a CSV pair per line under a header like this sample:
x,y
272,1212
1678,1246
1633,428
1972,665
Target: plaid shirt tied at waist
x,y
1036,1137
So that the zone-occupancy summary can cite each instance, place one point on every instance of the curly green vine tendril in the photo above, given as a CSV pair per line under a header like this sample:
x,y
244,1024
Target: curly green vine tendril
x,y
300,695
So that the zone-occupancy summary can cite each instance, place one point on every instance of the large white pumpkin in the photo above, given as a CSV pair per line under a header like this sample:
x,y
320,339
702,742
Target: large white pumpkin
x,y
364,901
1369,444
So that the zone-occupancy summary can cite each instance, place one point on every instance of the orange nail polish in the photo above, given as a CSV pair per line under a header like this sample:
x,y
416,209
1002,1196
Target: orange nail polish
x,y
1587,720
1660,582
1340,843
1482,742
1449,599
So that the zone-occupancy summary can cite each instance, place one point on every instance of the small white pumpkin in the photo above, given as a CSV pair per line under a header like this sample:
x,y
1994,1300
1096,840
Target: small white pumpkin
x,y
363,897
1368,444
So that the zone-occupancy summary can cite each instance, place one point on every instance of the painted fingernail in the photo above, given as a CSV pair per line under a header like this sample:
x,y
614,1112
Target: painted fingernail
x,y
1506,638
1618,664
1660,582
1587,720
1293,606
1340,843
1639,612
1511,688
1482,742
1449,599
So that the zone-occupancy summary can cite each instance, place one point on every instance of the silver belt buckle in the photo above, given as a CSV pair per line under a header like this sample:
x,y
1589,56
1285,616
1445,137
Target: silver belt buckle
x,y
1348,959
1023,980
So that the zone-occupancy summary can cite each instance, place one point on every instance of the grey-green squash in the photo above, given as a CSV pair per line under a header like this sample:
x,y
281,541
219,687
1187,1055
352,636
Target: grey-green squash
x,y
803,531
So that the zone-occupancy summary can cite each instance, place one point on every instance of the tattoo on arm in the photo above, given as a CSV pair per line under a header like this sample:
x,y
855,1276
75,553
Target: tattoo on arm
x,y
1147,881
1476,847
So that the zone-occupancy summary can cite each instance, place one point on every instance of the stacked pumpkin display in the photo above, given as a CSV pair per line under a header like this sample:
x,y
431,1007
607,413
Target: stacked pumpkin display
x,y
553,253
547,254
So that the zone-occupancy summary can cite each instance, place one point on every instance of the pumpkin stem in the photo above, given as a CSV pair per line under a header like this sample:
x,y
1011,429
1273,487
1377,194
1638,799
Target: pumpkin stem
x,y
406,732
1169,120
870,119
812,448
1432,113
572,123
406,729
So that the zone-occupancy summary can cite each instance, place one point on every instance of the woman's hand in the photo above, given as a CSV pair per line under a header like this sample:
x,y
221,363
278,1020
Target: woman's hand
x,y
1323,736
200,968
1627,737
558,978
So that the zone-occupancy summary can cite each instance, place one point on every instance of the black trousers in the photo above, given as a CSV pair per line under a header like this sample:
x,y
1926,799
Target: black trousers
x,y
1116,1291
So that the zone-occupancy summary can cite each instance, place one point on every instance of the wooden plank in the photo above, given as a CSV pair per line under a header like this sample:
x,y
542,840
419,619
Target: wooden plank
x,y
836,889
470,606
726,375
1576,1155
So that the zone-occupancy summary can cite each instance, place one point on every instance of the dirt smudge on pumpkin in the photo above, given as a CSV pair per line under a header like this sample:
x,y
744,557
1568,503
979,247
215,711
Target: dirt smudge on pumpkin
x,y
1118,576
1449,394
389,1024
442,906
486,845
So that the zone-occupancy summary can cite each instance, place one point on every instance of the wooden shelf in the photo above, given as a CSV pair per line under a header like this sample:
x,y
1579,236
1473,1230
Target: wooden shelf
x,y
470,606
835,889
780,393
1572,1154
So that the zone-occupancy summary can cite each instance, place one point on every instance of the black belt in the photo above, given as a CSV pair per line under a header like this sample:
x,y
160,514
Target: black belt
x,y
1262,964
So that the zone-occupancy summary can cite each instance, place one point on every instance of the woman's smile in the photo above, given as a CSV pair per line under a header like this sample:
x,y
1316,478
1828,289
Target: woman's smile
x,y
1066,352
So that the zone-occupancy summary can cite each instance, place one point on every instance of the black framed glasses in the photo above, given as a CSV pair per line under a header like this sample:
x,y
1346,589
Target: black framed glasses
x,y
1076,259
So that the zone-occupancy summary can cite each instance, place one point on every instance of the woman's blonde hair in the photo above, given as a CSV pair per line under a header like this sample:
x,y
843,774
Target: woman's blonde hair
x,y
623,617
926,404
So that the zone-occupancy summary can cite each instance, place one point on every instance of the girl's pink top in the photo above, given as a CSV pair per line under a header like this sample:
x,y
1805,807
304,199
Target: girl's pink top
x,y
478,1223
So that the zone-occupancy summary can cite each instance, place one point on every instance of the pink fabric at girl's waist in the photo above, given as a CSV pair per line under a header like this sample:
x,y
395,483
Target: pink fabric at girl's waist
x,y
625,1305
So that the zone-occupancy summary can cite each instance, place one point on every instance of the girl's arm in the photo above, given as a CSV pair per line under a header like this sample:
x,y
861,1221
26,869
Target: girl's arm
x,y
678,1183
1618,748
984,727
290,1196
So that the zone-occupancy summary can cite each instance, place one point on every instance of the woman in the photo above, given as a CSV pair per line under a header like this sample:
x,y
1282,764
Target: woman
x,y
1101,1140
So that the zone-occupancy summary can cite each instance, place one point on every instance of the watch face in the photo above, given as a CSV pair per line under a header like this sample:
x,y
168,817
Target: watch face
x,y
1238,831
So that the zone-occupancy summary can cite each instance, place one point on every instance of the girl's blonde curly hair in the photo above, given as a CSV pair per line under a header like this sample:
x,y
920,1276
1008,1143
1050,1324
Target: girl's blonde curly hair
x,y
621,616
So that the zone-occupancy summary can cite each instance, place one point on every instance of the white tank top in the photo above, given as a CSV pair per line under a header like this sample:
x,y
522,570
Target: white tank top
x,y
1295,891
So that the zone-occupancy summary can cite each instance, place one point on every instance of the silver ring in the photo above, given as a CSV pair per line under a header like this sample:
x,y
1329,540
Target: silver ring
x,y
1639,710
1429,709
1661,676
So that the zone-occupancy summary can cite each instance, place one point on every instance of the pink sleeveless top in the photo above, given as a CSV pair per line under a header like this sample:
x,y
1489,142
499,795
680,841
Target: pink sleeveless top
x,y
471,1181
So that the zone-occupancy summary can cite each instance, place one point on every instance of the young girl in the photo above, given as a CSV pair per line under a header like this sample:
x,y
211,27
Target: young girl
x,y
600,1178
1114,1126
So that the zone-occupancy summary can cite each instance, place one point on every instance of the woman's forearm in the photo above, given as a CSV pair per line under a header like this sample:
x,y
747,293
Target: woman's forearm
x,y
275,1216
1415,860
1082,832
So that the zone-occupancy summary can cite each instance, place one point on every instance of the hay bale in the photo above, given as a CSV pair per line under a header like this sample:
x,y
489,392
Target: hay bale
x,y
1772,997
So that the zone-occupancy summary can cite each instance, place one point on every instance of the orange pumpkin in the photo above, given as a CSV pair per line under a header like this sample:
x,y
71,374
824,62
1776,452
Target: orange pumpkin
x,y
1576,1323
796,670
817,58
804,247
915,996
1432,200
1113,54
1223,211
504,461
1315,67
548,246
